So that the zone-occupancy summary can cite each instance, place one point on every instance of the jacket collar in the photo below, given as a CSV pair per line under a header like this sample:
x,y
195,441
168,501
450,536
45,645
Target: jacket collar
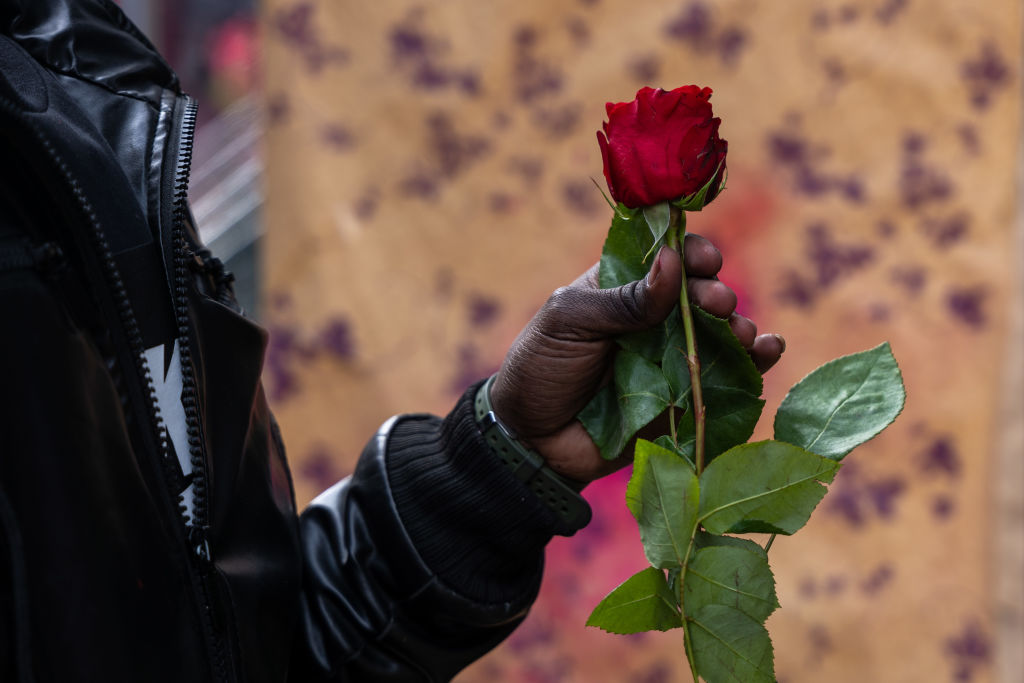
x,y
92,40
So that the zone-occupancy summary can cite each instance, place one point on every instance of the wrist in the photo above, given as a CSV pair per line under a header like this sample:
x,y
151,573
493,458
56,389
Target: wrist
x,y
557,492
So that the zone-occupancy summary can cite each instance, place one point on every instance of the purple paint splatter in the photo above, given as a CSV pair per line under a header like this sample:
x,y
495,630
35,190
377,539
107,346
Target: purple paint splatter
x,y
835,72
533,634
878,579
469,368
278,108
319,468
335,339
558,122
297,29
941,457
942,507
578,31
794,155
557,670
280,301
878,313
730,43
855,499
969,138
986,74
947,231
910,278
501,202
848,14
966,304
365,206
969,651
286,351
590,538
887,12
450,153
581,197
420,56
920,183
420,184
658,672
832,263
644,68
834,585
530,169
453,152
337,137
282,382
695,27
533,78
886,229
820,643
482,310
444,283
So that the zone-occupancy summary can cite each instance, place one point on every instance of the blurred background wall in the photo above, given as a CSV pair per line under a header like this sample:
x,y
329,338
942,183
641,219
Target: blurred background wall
x,y
400,185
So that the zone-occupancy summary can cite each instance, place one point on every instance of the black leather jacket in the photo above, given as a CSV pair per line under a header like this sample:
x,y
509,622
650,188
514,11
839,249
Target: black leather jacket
x,y
423,560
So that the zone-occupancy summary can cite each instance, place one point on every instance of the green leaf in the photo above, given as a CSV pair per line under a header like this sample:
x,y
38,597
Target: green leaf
x,y
843,403
604,423
643,602
705,540
731,417
603,194
767,487
723,360
665,441
624,248
637,395
641,390
696,201
663,495
730,647
675,367
733,576
657,218
651,343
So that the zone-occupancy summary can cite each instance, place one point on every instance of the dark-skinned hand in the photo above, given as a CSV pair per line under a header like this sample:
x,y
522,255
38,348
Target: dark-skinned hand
x,y
564,355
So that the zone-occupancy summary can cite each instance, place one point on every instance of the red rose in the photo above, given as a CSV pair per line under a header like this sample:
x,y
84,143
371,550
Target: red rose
x,y
662,146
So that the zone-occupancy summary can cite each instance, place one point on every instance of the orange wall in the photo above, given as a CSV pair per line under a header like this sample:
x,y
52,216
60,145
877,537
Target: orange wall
x,y
429,169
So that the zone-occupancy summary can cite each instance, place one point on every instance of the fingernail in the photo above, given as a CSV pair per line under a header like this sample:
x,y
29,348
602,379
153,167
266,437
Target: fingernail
x,y
655,270
782,341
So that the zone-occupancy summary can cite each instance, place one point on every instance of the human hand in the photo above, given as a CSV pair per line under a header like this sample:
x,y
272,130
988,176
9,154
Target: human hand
x,y
564,355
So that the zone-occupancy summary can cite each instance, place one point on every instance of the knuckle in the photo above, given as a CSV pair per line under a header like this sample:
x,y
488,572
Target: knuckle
x,y
628,303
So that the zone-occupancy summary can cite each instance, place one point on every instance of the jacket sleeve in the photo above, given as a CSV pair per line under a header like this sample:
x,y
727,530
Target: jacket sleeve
x,y
427,557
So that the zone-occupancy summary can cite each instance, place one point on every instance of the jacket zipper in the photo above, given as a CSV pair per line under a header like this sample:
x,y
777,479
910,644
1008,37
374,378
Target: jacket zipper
x,y
198,530
136,354
199,527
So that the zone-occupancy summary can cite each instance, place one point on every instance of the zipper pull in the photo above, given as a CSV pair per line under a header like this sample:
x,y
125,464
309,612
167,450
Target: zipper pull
x,y
48,258
200,545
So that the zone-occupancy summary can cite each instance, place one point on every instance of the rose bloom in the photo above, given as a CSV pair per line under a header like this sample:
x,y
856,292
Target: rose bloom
x,y
662,146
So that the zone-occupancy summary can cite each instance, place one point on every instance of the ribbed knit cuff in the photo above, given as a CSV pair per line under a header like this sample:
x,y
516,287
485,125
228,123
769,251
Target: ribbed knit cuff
x,y
480,529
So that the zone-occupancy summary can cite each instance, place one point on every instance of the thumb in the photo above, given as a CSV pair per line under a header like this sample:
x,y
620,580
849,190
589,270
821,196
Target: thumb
x,y
596,313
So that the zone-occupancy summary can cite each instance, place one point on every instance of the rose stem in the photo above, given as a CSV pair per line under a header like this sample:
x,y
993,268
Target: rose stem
x,y
676,238
689,651
672,423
